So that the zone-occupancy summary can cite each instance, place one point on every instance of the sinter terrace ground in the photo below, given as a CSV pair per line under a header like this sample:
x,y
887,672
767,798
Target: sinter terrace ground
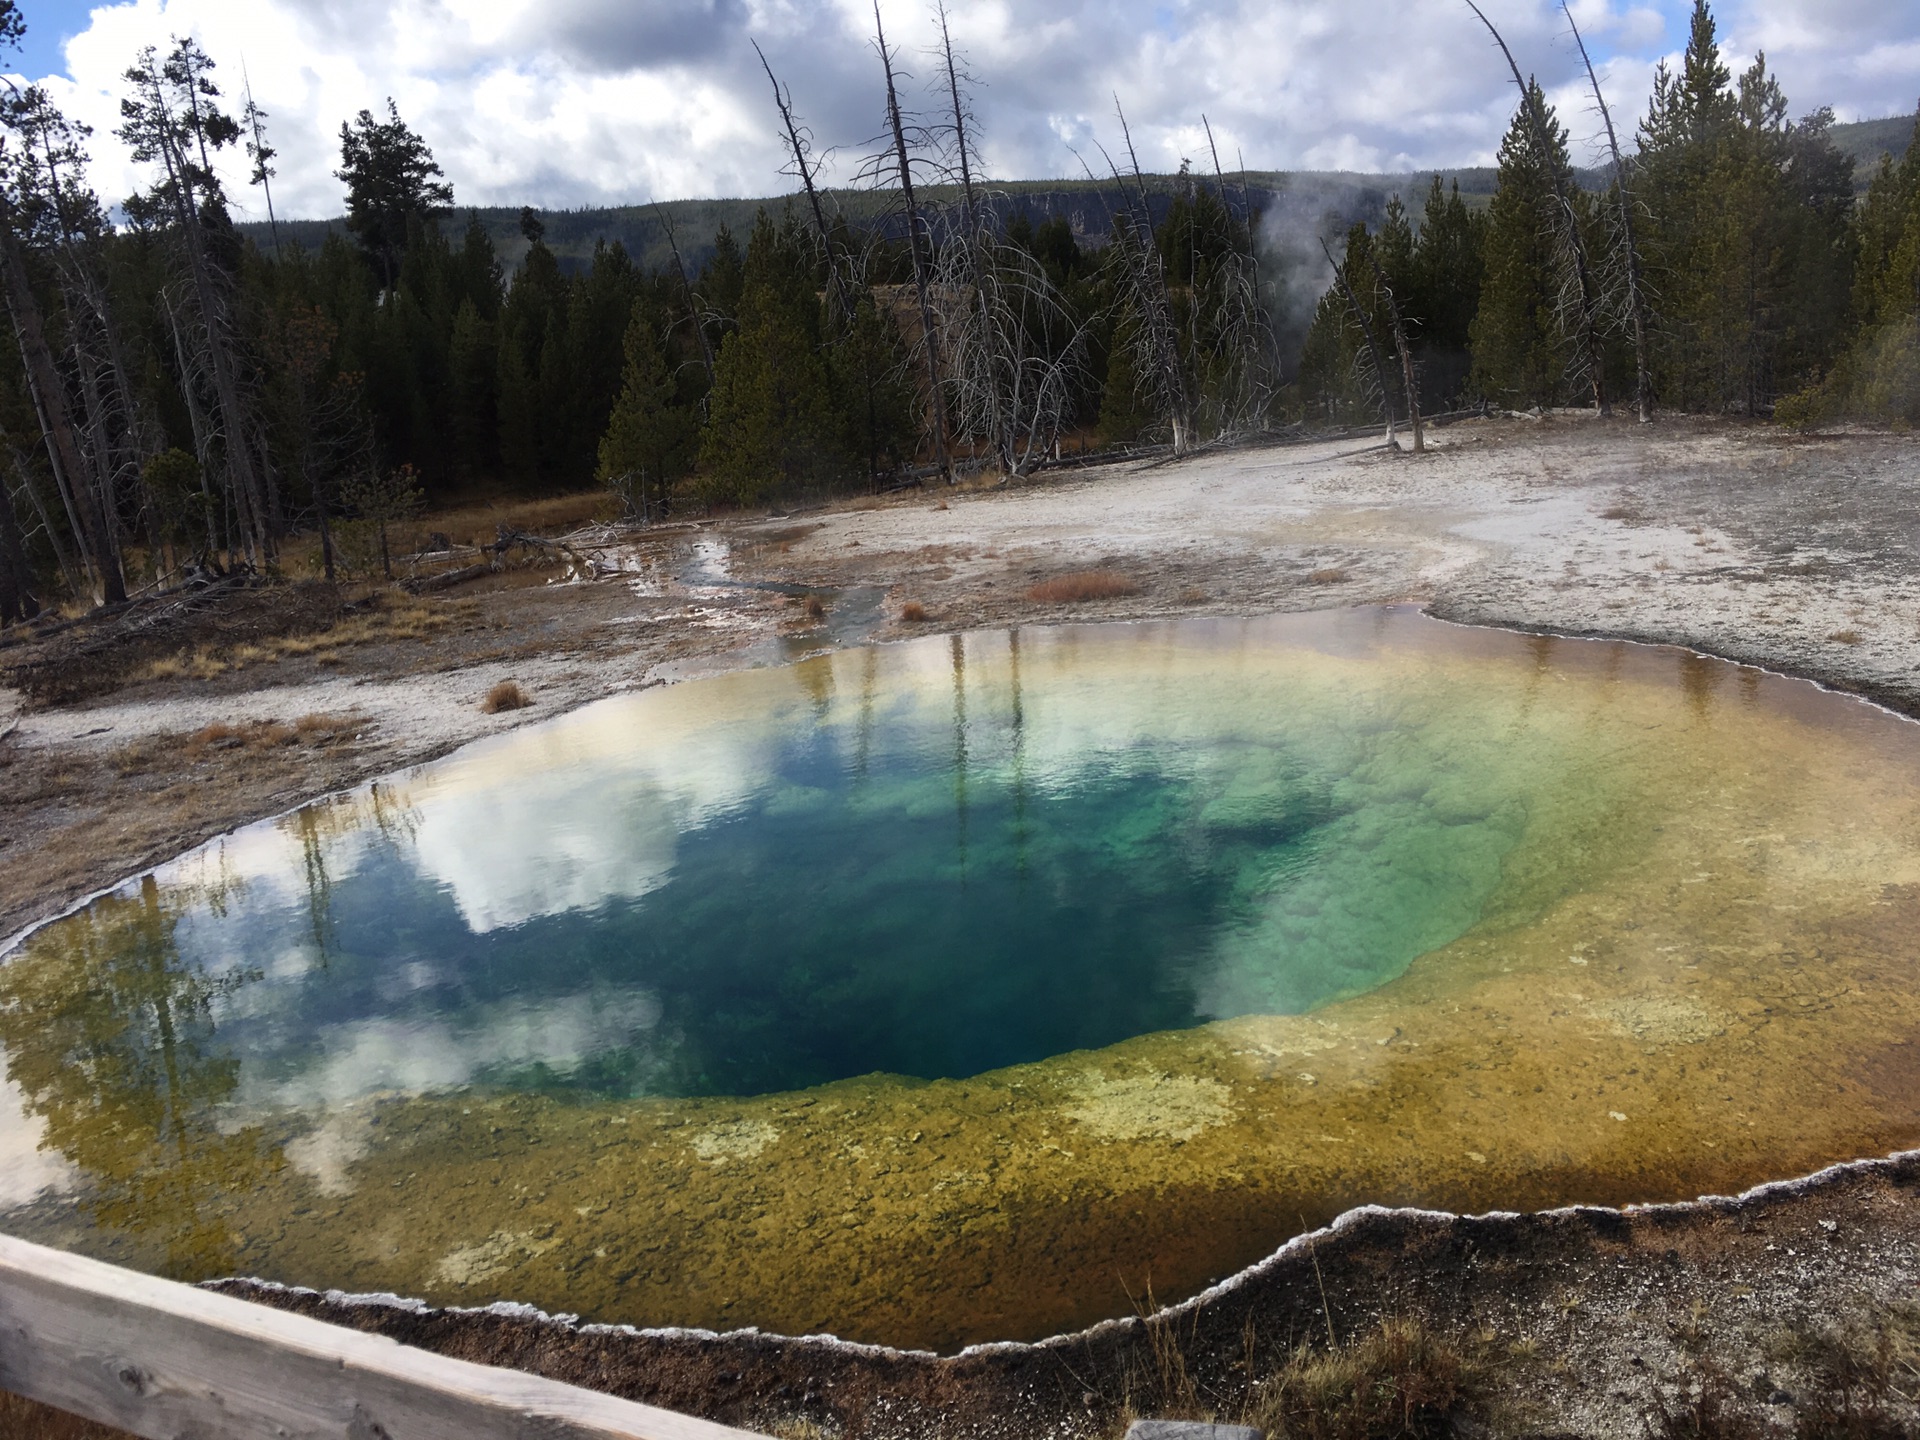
x,y
1800,554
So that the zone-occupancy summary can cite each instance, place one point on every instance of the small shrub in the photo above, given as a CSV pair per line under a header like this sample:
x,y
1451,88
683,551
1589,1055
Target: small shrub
x,y
815,607
1805,410
1082,585
913,612
507,695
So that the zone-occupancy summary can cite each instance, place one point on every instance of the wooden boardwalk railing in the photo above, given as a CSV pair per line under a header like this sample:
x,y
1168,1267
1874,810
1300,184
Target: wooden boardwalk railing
x,y
165,1360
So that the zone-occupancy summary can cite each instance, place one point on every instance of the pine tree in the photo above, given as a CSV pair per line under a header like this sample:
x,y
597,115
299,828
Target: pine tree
x,y
473,366
868,365
1681,140
1878,375
516,403
771,421
1520,352
392,182
648,444
1444,293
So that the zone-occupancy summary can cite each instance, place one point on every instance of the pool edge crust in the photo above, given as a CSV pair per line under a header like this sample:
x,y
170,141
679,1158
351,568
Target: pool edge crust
x,y
1818,1237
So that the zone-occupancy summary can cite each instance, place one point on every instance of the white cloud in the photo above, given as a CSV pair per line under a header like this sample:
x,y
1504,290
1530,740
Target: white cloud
x,y
578,102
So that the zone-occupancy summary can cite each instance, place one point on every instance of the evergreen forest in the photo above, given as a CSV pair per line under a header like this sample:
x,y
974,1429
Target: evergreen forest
x,y
187,394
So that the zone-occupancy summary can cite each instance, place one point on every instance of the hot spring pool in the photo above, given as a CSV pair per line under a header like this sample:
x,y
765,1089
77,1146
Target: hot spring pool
x,y
959,989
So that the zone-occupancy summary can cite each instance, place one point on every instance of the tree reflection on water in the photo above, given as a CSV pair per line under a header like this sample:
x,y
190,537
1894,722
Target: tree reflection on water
x,y
111,1037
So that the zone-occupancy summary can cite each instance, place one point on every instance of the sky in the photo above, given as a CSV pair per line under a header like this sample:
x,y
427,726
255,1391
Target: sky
x,y
568,103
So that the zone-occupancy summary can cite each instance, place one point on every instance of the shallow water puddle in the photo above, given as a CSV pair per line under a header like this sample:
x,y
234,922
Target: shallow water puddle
x,y
964,988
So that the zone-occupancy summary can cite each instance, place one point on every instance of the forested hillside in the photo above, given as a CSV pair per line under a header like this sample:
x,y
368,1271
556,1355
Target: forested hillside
x,y
1283,198
185,392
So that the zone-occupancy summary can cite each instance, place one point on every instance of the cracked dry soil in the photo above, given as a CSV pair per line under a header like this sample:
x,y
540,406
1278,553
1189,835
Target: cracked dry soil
x,y
1741,541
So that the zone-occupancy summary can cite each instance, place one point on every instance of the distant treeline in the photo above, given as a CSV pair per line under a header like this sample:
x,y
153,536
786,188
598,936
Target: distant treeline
x,y
186,392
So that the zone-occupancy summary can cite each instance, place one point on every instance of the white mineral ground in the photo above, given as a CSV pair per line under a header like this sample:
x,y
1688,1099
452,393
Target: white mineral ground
x,y
1802,555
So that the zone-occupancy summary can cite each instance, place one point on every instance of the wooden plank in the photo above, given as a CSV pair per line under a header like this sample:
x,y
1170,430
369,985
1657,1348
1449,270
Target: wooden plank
x,y
165,1360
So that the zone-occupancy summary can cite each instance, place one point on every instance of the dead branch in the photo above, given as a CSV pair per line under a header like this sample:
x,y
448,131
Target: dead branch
x,y
1566,224
1629,245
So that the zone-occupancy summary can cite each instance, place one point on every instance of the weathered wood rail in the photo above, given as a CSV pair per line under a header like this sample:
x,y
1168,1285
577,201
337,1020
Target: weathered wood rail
x,y
165,1360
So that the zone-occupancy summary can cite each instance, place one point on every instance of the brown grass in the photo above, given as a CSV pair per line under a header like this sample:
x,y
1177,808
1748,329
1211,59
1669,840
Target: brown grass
x,y
913,612
24,1419
1327,577
1082,585
815,607
507,695
1846,637
410,620
162,752
1402,1380
474,524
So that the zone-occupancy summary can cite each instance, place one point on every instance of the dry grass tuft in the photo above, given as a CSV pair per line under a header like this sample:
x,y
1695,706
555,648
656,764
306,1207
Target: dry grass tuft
x,y
913,612
314,729
1082,585
1846,637
1402,1380
1327,577
815,607
414,620
507,695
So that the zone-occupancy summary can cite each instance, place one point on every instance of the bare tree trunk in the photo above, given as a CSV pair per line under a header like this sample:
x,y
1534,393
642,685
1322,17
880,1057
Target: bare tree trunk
x,y
1629,244
71,572
930,330
1155,306
1409,384
196,417
249,493
16,597
1568,220
998,415
1373,346
839,303
50,401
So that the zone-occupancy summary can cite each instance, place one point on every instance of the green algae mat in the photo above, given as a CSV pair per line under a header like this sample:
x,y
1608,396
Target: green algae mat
x,y
982,986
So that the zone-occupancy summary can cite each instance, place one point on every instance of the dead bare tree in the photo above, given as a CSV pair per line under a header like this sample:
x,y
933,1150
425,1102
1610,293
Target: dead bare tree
x,y
1409,383
1341,279
1628,246
805,167
900,162
86,515
694,309
1241,333
17,600
1143,277
1583,298
63,221
171,119
1008,385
